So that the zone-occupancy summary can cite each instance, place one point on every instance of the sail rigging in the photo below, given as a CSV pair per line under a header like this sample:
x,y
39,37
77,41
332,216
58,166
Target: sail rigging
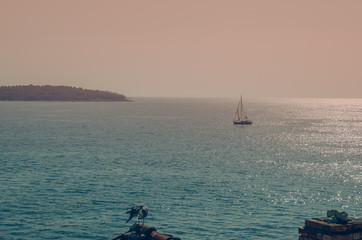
x,y
240,114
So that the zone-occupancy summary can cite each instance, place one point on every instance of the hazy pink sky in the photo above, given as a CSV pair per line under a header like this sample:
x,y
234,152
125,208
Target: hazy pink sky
x,y
186,48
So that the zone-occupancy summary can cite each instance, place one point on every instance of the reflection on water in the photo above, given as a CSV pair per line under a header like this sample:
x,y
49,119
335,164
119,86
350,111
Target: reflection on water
x,y
70,170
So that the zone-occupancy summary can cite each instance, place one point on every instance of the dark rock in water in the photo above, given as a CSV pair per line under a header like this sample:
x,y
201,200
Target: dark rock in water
x,y
323,228
132,236
144,232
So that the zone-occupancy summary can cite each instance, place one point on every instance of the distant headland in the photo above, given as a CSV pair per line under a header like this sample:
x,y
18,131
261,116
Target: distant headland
x,y
57,93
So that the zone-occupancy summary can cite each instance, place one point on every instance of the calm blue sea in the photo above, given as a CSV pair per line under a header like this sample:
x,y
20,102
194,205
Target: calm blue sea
x,y
71,170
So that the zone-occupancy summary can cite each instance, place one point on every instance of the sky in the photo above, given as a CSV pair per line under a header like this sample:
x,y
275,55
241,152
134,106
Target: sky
x,y
185,48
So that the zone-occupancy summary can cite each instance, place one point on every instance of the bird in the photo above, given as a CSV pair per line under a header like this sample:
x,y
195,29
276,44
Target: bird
x,y
139,210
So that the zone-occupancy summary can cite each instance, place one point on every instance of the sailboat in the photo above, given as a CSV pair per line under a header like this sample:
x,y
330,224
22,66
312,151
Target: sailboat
x,y
240,115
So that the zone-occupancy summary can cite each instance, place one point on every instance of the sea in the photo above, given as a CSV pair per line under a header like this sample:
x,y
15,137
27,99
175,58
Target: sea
x,y
70,170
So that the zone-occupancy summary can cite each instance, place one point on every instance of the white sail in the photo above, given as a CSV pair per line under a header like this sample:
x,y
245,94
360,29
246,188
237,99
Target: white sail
x,y
237,116
243,116
240,114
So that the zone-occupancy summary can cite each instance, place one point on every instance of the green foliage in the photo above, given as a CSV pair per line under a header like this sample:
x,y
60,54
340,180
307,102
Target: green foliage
x,y
57,93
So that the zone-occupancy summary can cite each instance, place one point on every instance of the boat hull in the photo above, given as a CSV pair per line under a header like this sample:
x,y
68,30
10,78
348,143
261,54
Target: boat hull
x,y
247,122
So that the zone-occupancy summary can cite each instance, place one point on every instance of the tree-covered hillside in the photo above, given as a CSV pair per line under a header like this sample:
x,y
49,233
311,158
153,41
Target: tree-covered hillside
x,y
57,93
